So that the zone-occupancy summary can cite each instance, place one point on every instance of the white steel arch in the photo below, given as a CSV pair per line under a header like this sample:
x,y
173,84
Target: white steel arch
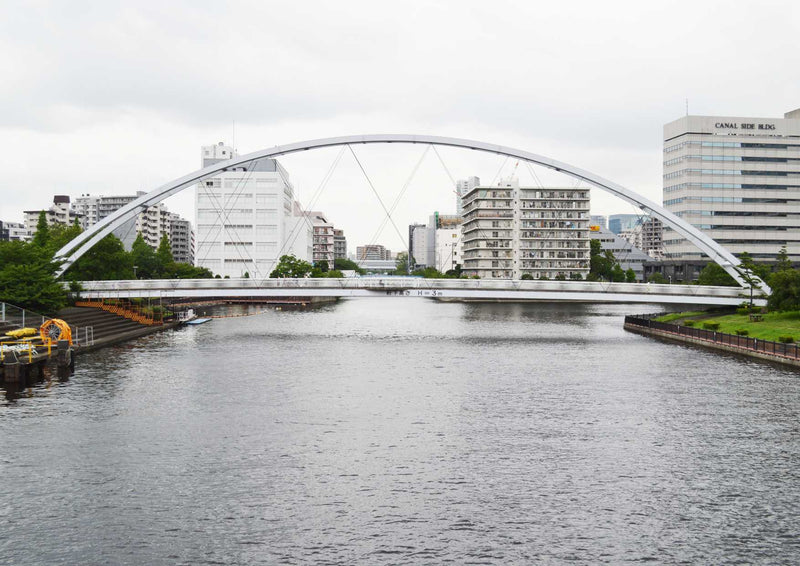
x,y
77,247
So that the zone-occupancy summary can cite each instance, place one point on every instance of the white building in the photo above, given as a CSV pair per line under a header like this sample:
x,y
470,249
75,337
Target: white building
x,y
510,231
418,245
463,186
736,179
59,213
246,217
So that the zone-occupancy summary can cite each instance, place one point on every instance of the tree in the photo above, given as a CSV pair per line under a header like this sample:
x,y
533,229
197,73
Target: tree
x,y
343,264
106,260
401,264
630,275
42,235
322,265
62,234
657,278
601,263
187,271
526,277
747,271
32,285
783,263
714,274
617,274
164,255
785,294
290,266
145,259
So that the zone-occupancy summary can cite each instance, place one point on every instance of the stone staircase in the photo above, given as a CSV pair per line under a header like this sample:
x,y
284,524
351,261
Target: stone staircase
x,y
108,328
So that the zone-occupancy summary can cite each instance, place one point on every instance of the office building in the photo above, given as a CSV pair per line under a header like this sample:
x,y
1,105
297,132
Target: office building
x,y
623,222
372,252
738,180
246,217
628,255
510,231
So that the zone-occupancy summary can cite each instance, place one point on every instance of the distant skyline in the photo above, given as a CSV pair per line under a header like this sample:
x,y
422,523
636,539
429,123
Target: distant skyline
x,y
110,98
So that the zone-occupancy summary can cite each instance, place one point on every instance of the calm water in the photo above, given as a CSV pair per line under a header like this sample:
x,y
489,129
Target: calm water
x,y
401,431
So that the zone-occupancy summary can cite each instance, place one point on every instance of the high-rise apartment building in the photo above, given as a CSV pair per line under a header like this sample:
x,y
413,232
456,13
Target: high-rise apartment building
x,y
339,245
181,239
373,252
418,245
463,186
511,230
738,180
59,213
246,217
324,239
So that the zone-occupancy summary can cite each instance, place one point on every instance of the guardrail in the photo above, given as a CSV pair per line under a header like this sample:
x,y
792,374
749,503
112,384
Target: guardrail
x,y
18,316
734,340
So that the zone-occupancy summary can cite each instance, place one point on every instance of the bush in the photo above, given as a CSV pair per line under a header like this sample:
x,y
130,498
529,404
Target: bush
x,y
743,310
786,339
689,322
742,332
711,325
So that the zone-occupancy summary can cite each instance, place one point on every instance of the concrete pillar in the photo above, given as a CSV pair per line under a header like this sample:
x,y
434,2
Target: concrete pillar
x,y
12,369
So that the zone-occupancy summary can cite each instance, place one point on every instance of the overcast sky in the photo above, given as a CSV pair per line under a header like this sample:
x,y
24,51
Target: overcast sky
x,y
111,98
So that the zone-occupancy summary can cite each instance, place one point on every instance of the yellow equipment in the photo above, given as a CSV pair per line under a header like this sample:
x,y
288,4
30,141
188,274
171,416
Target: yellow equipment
x,y
21,333
54,330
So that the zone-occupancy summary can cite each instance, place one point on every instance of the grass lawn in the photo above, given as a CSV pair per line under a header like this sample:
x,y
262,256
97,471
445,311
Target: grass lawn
x,y
774,325
679,315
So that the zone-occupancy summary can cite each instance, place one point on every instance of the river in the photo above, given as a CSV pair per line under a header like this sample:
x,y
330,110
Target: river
x,y
405,431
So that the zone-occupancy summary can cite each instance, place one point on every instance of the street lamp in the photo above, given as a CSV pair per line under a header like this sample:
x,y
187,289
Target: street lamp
x,y
670,279
134,271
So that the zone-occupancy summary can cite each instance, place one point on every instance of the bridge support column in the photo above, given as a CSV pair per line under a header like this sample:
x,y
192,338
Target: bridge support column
x,y
64,359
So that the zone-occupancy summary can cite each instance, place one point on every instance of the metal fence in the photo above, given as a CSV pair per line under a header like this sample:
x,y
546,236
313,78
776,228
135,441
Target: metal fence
x,y
733,340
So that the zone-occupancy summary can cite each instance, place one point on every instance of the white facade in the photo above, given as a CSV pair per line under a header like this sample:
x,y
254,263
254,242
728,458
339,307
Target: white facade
x,y
418,244
738,180
449,248
463,186
244,217
510,231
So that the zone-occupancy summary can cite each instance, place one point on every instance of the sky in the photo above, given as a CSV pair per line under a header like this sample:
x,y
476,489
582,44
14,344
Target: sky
x,y
108,98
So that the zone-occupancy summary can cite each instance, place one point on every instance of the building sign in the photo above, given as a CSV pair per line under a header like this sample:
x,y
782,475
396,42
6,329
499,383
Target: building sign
x,y
594,228
744,126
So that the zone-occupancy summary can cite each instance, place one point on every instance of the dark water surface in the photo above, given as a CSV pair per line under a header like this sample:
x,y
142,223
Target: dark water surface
x,y
402,431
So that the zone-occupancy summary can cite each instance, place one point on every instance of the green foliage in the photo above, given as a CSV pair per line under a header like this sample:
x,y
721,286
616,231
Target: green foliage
x,y
526,277
742,332
335,273
401,264
343,264
630,276
107,260
783,263
290,266
322,265
576,276
711,325
188,271
42,236
31,283
560,277
148,265
603,265
714,274
689,322
785,294
786,339
657,278
164,253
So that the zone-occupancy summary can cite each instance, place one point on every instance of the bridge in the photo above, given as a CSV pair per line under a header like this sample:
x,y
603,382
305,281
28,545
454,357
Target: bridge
x,y
717,253
441,289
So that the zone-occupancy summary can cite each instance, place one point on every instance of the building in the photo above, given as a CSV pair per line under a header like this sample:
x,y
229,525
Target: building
x,y
371,252
510,231
13,231
181,239
418,245
598,220
246,217
152,223
628,255
734,178
623,222
463,186
444,240
59,213
339,244
324,239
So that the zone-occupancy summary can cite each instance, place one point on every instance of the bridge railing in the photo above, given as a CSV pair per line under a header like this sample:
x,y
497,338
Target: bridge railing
x,y
414,283
743,342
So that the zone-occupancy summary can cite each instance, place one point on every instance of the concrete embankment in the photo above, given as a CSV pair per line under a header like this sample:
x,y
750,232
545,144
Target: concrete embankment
x,y
786,354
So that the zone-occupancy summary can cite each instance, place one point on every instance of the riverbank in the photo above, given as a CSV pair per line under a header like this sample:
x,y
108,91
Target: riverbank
x,y
783,353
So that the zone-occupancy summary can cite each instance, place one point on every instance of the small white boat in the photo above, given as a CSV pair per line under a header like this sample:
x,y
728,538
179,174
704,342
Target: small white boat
x,y
198,320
